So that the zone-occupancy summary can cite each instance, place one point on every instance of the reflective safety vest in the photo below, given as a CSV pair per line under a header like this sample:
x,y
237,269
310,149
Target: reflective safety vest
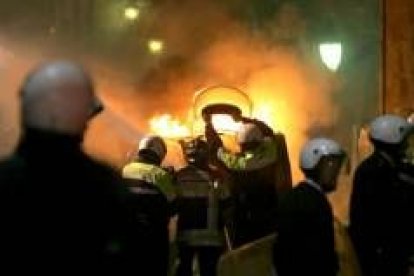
x,y
269,163
262,156
200,202
151,174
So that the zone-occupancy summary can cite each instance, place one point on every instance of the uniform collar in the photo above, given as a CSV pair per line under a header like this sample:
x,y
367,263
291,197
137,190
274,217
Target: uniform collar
x,y
38,142
314,185
387,157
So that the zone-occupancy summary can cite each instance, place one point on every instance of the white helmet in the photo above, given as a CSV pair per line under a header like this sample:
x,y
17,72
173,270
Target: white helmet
x,y
389,129
315,149
249,132
155,144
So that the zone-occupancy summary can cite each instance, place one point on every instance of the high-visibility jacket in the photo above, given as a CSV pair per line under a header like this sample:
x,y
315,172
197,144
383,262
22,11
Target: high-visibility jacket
x,y
151,174
151,199
257,177
270,158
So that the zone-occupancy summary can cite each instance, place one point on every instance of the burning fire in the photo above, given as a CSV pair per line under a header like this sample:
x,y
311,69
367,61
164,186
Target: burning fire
x,y
166,126
263,109
266,110
225,123
273,114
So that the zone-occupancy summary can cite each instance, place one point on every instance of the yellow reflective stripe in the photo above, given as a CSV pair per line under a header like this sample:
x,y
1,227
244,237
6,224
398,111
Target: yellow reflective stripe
x,y
151,174
231,160
264,155
139,171
165,184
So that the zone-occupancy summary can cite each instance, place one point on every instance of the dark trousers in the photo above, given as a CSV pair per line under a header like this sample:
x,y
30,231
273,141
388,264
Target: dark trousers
x,y
151,217
207,260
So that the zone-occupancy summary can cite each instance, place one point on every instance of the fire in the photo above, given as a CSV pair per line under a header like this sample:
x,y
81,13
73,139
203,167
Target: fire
x,y
225,123
273,113
166,126
264,113
259,105
267,107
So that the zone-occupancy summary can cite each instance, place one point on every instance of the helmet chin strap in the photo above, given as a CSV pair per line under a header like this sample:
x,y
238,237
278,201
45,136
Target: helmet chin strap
x,y
387,156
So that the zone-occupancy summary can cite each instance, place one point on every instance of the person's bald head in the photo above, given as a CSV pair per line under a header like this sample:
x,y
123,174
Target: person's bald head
x,y
59,97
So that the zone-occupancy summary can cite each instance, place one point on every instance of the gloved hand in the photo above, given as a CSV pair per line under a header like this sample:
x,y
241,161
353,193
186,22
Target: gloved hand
x,y
207,117
212,137
264,128
237,117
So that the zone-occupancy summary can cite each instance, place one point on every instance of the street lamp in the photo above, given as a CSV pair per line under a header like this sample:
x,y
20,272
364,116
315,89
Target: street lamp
x,y
331,54
131,13
155,46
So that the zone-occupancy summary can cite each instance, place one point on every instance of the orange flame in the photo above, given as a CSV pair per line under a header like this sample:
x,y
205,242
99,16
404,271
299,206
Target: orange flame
x,y
166,126
225,123
266,109
273,113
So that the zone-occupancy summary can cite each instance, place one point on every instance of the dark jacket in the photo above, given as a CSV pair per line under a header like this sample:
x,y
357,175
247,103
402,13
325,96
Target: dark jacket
x,y
380,218
257,176
255,190
202,204
152,198
59,208
305,243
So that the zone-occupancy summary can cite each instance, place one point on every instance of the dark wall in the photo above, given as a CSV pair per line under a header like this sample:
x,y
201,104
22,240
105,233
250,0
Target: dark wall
x,y
399,56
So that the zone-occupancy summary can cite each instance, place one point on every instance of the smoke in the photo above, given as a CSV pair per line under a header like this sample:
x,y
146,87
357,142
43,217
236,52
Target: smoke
x,y
287,89
110,137
266,59
11,75
271,60
215,48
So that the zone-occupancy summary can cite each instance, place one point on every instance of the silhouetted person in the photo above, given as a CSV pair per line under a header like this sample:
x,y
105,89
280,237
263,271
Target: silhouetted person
x,y
259,171
152,198
305,243
381,211
203,206
60,210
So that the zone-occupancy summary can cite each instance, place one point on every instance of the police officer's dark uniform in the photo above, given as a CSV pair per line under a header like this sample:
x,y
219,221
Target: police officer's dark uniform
x,y
305,243
152,198
381,205
258,173
203,204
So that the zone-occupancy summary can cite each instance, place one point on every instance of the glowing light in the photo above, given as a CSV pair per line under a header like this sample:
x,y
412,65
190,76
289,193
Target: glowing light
x,y
225,123
155,46
219,95
131,13
264,113
168,127
272,111
331,54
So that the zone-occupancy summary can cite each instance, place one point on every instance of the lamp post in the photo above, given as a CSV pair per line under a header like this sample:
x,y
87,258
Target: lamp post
x,y
331,54
155,46
131,13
